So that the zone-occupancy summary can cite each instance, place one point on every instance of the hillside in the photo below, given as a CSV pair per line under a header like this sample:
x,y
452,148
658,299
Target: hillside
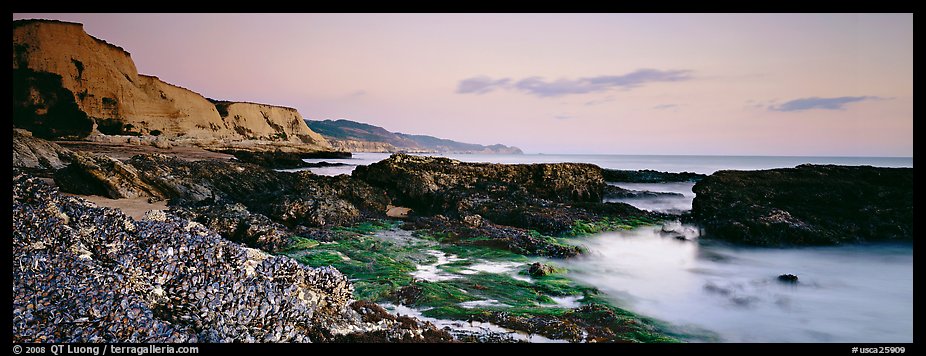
x,y
69,84
359,137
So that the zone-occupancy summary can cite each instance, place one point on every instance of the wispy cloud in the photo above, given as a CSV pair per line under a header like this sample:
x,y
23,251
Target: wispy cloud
x,y
599,101
564,117
480,85
838,103
540,87
665,106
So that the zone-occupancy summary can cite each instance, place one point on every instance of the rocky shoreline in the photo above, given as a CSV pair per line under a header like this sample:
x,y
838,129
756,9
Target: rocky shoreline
x,y
190,264
409,231
88,274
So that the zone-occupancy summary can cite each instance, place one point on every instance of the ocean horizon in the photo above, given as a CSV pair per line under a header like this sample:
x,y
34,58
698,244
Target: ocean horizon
x,y
703,164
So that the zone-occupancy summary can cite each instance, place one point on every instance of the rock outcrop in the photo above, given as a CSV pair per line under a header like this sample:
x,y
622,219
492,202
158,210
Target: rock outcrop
x,y
649,176
427,182
808,204
285,160
93,174
211,190
70,84
500,201
88,274
35,153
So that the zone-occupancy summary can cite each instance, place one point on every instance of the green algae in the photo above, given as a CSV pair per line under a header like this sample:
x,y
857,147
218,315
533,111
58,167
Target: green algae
x,y
300,243
583,227
379,267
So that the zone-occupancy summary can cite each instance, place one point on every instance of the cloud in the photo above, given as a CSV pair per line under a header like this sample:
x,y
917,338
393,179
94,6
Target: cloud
x,y
811,103
599,101
538,86
564,117
665,106
480,85
357,93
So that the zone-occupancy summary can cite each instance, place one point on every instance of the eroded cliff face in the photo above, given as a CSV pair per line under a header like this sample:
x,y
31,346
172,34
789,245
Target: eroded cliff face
x,y
267,122
70,84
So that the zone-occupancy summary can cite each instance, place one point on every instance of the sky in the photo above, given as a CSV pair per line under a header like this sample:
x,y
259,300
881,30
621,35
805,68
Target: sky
x,y
689,84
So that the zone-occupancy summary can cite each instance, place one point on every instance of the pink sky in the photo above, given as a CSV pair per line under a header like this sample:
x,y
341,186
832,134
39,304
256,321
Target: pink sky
x,y
789,84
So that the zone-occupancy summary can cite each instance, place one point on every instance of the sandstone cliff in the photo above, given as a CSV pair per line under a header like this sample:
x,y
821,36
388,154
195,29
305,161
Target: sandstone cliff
x,y
267,122
68,83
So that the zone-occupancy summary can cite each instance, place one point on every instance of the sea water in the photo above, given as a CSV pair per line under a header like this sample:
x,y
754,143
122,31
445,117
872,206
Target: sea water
x,y
711,291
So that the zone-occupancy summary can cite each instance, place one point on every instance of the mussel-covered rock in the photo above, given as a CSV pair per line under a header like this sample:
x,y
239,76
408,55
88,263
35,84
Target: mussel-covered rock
x,y
87,274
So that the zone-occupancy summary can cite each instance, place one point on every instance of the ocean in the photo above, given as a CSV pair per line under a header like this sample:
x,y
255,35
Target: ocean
x,y
710,291
696,164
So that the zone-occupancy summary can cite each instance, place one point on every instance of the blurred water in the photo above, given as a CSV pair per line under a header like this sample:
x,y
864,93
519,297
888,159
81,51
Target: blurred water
x,y
860,293
665,204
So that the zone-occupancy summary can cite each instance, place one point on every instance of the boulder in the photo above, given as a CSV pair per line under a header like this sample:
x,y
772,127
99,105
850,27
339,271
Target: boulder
x,y
425,181
35,153
538,269
807,205
93,174
787,278
398,212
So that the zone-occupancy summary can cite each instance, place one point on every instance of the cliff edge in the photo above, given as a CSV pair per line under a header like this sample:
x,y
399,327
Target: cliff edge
x,y
67,83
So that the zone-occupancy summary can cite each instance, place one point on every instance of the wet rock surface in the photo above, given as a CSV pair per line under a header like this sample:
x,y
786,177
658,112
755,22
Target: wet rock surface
x,y
538,269
270,159
88,274
509,200
615,192
649,176
244,202
807,205
787,278
514,239
284,159
425,181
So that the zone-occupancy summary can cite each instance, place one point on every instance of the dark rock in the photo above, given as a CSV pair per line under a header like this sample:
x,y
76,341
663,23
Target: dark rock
x,y
286,160
327,154
299,198
538,269
787,278
807,205
370,312
510,238
270,159
548,198
649,176
407,295
426,181
615,192
325,164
